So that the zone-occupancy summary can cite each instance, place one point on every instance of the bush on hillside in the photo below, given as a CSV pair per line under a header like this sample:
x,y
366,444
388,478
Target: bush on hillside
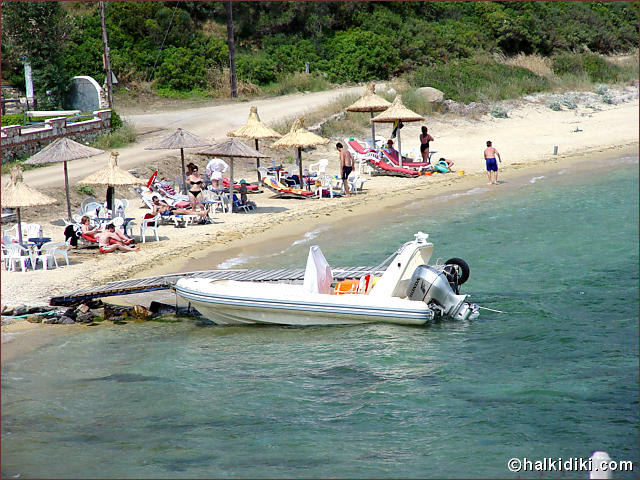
x,y
597,68
256,68
479,78
182,69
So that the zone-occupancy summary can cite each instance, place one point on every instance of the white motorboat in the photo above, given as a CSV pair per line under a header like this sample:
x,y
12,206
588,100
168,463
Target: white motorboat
x,y
409,292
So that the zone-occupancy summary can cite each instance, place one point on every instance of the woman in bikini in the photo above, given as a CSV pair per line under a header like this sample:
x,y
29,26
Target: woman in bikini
x,y
425,138
195,184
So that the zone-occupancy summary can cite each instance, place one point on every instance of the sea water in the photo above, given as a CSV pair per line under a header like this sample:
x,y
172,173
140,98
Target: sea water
x,y
549,369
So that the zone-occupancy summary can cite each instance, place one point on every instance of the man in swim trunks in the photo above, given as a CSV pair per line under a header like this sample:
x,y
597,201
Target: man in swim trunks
x,y
490,154
110,241
346,166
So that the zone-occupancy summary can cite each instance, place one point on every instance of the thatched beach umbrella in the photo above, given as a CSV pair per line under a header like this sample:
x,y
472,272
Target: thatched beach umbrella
x,y
299,138
63,150
180,139
370,102
112,175
398,112
17,194
231,148
255,129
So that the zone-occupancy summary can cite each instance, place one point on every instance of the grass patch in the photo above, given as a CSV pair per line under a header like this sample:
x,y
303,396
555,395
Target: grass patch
x,y
298,82
7,166
594,66
479,79
116,139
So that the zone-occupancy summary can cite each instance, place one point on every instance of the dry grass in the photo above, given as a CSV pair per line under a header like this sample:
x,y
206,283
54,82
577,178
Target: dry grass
x,y
537,64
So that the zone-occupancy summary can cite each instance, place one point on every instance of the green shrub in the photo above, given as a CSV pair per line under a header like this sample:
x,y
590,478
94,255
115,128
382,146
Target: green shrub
x,y
357,55
13,119
498,111
257,68
596,67
86,190
117,138
479,79
116,121
182,69
298,82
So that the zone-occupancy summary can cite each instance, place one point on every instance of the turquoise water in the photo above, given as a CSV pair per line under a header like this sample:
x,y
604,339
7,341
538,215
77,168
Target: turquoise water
x,y
555,376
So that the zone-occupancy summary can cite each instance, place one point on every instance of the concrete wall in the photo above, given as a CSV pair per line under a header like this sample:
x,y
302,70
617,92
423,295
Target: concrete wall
x,y
85,95
18,141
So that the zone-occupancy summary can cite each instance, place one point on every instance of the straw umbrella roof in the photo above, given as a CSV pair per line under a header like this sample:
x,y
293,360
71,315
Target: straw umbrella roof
x,y
397,111
111,174
299,137
62,150
254,128
232,147
18,194
369,102
179,139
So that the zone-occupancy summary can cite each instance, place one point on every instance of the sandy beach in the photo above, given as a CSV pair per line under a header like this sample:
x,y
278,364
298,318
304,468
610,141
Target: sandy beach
x,y
525,140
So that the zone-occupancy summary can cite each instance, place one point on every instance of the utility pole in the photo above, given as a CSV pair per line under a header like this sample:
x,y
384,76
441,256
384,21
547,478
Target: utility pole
x,y
107,57
232,56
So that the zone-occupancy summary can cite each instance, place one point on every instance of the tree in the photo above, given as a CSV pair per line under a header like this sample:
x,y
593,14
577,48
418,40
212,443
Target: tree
x,y
38,32
232,53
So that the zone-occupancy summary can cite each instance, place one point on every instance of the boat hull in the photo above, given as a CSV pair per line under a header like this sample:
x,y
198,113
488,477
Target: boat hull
x,y
220,304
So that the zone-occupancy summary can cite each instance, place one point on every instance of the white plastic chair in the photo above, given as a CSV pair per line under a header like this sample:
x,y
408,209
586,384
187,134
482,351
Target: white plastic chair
x,y
31,230
149,224
356,182
46,256
59,248
16,253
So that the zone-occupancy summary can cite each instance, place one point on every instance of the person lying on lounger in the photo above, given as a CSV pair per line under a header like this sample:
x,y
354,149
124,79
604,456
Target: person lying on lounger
x,y
110,241
88,232
164,209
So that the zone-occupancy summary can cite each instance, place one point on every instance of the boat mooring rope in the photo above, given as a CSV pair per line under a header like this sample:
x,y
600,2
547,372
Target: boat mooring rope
x,y
492,310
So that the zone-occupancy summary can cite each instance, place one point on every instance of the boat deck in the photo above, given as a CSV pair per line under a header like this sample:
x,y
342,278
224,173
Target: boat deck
x,y
164,282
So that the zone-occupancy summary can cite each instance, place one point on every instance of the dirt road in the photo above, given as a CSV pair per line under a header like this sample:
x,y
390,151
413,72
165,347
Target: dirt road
x,y
209,122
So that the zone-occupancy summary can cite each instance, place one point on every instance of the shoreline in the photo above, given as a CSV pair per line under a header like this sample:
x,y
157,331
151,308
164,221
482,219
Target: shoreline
x,y
21,337
607,132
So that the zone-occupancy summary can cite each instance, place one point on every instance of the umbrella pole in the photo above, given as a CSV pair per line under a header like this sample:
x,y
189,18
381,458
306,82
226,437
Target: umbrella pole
x,y
20,223
184,173
399,147
112,192
231,185
300,166
66,189
257,162
373,131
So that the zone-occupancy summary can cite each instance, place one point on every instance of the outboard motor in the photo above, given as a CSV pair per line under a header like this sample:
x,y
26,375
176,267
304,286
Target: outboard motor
x,y
431,285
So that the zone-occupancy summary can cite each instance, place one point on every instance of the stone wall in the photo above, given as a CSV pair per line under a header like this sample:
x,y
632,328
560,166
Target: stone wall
x,y
19,141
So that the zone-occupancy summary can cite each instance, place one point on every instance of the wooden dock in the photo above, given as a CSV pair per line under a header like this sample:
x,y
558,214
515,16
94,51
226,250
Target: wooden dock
x,y
164,282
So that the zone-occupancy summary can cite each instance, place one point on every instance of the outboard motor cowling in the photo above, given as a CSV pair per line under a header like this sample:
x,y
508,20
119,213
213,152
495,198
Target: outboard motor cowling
x,y
430,284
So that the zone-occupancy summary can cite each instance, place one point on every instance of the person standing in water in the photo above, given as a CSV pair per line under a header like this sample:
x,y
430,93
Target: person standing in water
x,y
490,154
346,167
425,138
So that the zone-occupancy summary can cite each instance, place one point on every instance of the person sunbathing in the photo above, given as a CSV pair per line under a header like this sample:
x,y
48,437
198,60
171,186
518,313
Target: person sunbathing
x,y
88,232
110,240
164,209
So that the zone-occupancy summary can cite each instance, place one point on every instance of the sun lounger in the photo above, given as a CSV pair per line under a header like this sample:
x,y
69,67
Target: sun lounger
x,y
383,168
283,191
251,187
392,158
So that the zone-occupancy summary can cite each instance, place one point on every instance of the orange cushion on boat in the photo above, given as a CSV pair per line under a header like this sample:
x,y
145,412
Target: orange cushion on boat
x,y
346,286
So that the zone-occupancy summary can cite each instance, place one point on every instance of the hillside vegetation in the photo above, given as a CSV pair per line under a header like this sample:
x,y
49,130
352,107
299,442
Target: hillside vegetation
x,y
466,49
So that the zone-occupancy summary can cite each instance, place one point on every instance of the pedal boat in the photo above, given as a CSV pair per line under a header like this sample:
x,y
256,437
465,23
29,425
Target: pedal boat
x,y
409,292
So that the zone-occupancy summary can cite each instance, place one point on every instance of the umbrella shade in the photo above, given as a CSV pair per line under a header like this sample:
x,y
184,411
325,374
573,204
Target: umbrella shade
x,y
112,175
256,130
299,138
232,147
370,102
63,150
398,112
180,139
18,194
